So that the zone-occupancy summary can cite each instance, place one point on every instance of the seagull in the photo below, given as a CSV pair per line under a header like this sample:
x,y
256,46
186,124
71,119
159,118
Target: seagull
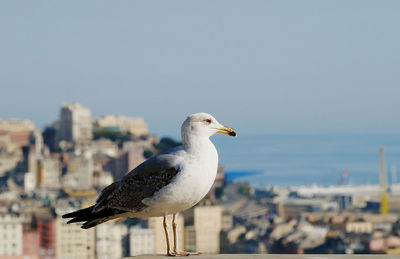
x,y
165,184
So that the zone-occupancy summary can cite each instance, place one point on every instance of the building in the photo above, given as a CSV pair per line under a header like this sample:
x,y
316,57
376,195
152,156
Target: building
x,y
207,223
134,126
79,174
46,228
293,206
29,159
30,243
15,125
73,241
234,233
49,173
359,227
226,221
109,240
8,161
143,143
75,123
15,133
141,241
105,147
126,161
190,239
216,191
50,138
156,224
102,179
10,235
30,181
36,139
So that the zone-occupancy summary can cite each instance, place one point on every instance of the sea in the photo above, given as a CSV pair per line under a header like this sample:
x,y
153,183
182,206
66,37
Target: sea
x,y
303,160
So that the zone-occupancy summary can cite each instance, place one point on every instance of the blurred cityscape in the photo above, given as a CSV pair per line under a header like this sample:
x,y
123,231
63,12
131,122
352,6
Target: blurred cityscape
x,y
44,174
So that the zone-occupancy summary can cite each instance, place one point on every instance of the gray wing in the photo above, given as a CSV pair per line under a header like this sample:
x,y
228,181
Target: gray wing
x,y
142,182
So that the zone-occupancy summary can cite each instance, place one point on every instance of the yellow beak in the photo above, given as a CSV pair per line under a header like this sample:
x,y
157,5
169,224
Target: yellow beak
x,y
227,130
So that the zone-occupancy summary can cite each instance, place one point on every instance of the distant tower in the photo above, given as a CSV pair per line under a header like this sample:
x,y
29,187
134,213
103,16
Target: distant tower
x,y
383,183
75,123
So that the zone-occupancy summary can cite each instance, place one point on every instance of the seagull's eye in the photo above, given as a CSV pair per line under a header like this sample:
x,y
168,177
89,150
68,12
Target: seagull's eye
x,y
208,121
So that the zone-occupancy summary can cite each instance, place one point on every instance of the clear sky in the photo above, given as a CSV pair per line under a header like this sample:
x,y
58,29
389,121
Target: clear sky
x,y
263,67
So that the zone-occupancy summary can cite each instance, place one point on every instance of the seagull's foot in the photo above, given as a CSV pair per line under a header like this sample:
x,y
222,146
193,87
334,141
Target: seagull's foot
x,y
182,253
177,254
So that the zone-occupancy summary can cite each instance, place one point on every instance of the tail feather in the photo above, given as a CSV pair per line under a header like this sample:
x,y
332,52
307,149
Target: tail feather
x,y
93,218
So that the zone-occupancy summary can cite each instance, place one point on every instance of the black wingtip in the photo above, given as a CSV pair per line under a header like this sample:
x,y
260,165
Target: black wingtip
x,y
90,224
72,221
78,213
72,214
68,215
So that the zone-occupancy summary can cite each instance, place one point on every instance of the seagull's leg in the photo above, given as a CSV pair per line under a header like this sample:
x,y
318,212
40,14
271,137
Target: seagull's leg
x,y
174,224
165,224
175,248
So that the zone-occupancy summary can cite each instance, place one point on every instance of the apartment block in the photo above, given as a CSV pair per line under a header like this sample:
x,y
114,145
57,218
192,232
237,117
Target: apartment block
x,y
207,224
10,235
75,123
73,241
141,241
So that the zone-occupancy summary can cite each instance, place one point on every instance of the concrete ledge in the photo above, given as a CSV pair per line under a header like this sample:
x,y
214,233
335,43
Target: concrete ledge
x,y
272,256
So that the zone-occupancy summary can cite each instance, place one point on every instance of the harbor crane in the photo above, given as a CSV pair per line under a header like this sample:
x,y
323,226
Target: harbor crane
x,y
344,176
383,185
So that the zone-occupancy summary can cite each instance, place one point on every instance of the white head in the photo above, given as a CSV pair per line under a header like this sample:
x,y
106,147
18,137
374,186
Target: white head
x,y
203,125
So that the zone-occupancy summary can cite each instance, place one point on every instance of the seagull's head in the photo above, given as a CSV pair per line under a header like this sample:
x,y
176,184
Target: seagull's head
x,y
203,124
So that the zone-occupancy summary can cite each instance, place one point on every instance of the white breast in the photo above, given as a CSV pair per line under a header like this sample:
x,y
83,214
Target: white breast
x,y
192,183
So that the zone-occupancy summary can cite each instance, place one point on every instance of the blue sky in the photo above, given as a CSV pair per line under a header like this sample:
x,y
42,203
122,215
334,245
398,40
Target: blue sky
x,y
263,67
